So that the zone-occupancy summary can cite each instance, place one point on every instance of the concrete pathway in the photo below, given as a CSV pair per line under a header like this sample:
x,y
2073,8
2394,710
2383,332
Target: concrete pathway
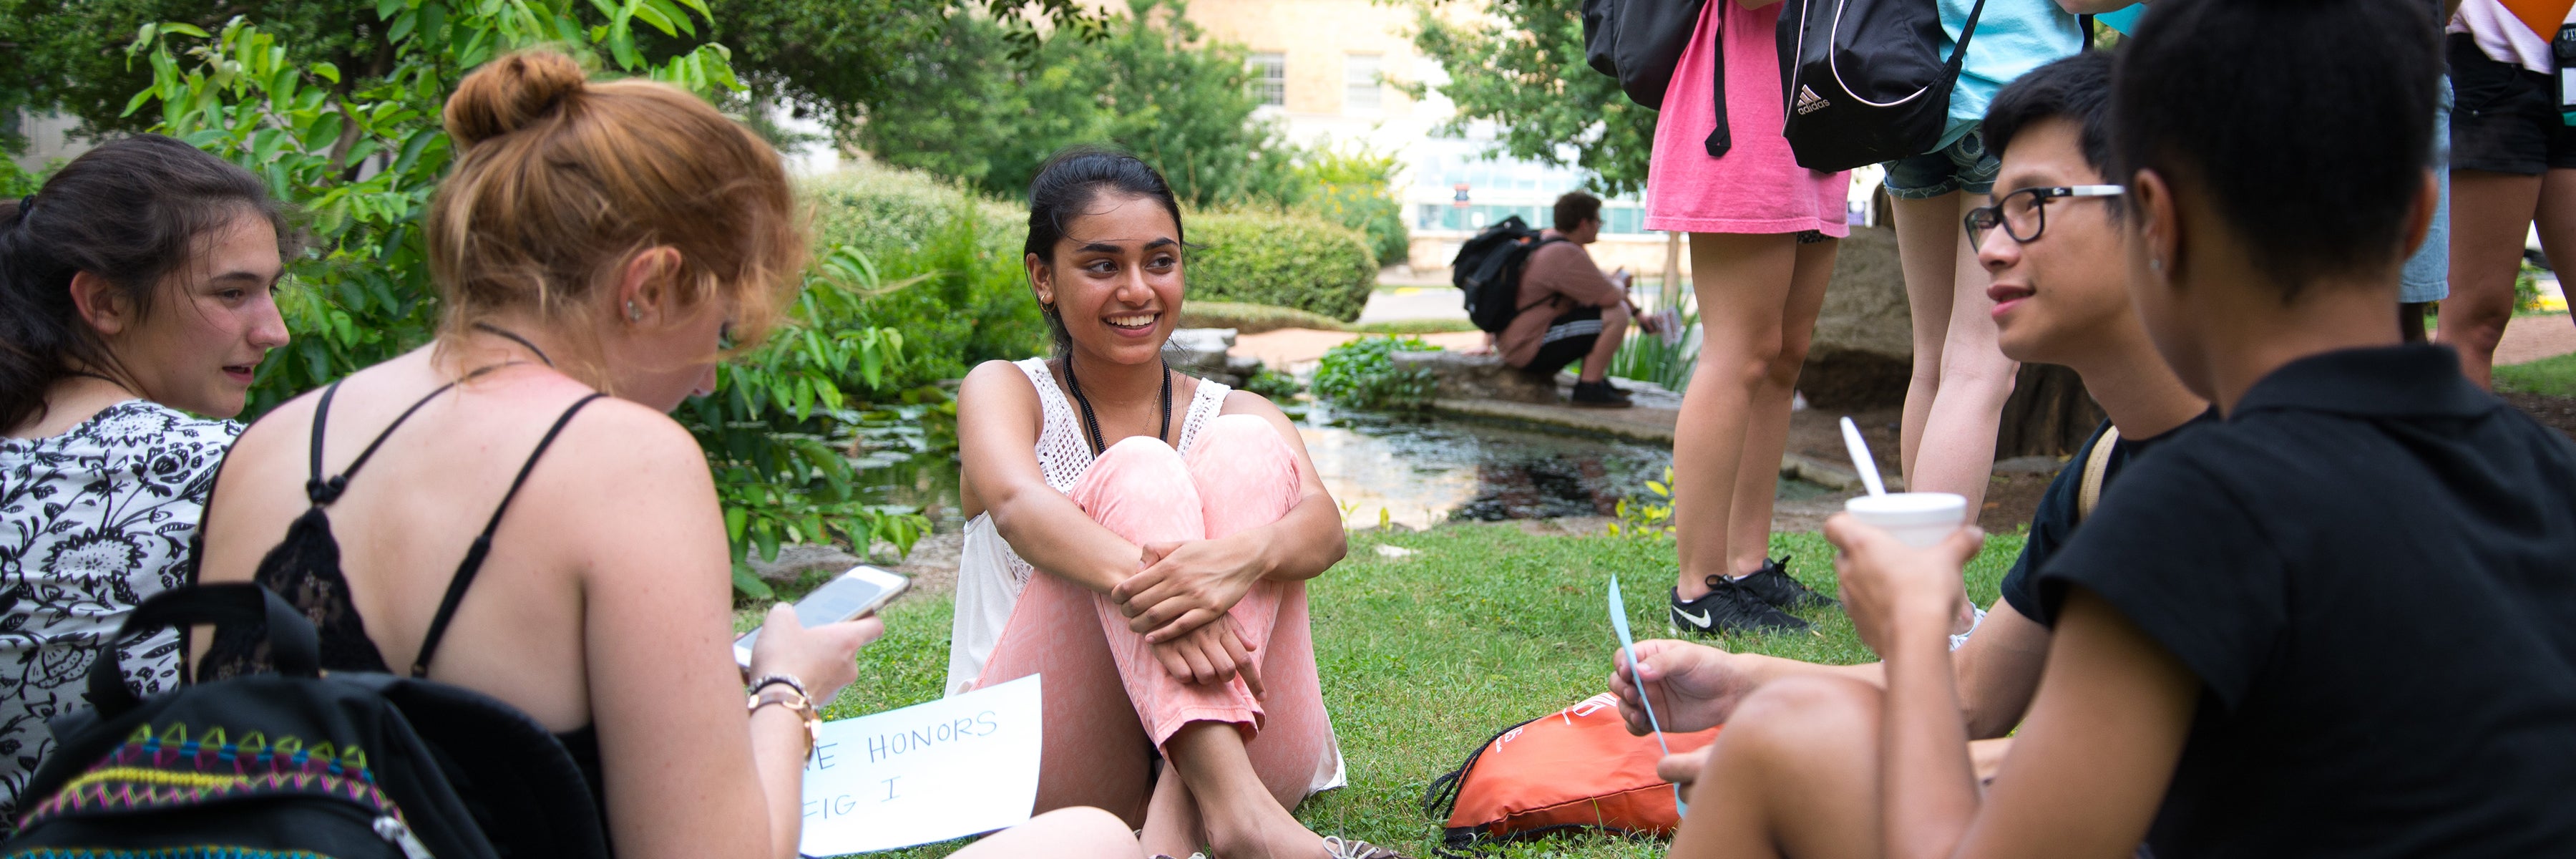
x,y
1414,302
2531,338
1294,350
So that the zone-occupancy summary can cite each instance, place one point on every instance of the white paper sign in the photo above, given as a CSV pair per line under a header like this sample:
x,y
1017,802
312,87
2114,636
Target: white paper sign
x,y
930,772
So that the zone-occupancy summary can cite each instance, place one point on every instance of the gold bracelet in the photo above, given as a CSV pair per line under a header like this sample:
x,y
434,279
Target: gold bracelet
x,y
792,698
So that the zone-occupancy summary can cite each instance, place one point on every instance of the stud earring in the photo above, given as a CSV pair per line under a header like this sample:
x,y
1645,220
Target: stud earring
x,y
634,313
2155,265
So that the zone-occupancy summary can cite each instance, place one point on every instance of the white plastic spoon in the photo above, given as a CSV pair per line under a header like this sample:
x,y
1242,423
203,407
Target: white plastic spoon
x,y
1861,460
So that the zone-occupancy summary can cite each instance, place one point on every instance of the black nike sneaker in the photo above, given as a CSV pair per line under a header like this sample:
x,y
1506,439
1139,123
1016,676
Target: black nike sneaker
x,y
1775,586
1729,606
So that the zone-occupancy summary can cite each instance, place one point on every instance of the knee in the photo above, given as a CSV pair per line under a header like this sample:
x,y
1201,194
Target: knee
x,y
1240,439
1139,453
1984,367
1797,716
1238,432
1086,831
1614,323
1136,460
1758,362
1792,356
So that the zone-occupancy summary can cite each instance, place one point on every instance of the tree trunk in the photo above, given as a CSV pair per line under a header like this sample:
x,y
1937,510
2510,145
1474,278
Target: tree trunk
x,y
2050,414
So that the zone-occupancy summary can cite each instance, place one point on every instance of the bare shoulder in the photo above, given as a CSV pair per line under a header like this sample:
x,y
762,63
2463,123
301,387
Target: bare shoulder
x,y
620,436
997,386
995,377
1243,402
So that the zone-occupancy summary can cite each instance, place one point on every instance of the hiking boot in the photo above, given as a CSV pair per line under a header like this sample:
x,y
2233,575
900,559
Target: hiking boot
x,y
1339,848
1600,395
1775,586
1729,606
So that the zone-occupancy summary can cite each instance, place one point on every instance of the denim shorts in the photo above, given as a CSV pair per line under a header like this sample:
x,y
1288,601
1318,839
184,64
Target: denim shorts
x,y
1964,165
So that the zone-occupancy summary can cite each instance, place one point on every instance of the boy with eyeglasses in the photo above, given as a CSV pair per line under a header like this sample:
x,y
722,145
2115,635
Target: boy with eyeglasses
x,y
2044,243
2339,622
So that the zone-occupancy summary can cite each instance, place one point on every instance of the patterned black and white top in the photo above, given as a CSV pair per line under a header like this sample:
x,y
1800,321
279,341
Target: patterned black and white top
x,y
91,522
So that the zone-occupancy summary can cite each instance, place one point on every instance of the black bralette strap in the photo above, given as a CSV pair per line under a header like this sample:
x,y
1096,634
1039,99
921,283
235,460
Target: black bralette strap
x,y
473,563
313,486
326,491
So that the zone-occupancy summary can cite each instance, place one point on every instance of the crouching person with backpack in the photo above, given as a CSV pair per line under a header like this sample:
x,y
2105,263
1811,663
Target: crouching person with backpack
x,y
1563,310
508,515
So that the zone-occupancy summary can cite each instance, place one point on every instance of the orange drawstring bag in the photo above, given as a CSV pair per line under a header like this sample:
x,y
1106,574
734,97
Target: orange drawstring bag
x,y
1575,768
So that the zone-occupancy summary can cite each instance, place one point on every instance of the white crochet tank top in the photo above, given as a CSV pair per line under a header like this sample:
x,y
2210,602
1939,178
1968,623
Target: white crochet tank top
x,y
989,574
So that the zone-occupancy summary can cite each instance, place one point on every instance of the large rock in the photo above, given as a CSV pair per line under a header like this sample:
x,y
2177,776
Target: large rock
x,y
1201,352
1479,377
1863,353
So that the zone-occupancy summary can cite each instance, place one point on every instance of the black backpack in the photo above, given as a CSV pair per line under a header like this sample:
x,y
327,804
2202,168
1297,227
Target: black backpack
x,y
1488,270
349,765
1640,43
1864,80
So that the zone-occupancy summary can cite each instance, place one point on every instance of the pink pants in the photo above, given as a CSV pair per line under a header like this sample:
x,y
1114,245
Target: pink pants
x,y
1108,703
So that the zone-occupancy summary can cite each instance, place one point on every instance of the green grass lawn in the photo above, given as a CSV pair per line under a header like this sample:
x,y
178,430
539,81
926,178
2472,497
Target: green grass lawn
x,y
2552,376
1426,656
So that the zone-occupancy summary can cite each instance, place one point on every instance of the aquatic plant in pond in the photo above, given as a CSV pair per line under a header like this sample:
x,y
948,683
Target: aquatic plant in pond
x,y
1362,374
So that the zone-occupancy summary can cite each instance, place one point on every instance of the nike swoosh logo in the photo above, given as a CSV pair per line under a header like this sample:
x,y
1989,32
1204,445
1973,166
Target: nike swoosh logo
x,y
1700,619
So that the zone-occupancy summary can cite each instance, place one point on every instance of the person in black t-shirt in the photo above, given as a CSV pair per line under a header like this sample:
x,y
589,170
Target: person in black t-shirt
x,y
2341,622
2057,303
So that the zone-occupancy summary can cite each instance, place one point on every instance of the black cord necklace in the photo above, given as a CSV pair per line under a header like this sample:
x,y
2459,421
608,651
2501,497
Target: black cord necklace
x,y
532,347
1091,422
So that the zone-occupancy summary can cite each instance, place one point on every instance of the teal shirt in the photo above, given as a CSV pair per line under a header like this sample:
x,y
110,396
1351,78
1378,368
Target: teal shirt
x,y
2013,37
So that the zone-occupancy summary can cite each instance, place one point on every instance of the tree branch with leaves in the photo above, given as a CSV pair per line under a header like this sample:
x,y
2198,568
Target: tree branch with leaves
x,y
1520,68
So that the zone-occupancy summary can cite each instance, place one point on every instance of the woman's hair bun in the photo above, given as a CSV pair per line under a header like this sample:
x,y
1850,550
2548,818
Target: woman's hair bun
x,y
510,93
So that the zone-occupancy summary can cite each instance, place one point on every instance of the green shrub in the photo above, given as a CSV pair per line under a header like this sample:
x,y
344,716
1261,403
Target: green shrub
x,y
1361,374
1288,260
1278,387
951,264
882,210
1251,318
1351,189
1413,326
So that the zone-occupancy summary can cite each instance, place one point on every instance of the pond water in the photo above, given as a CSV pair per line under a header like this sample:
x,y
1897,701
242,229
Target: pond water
x,y
1414,471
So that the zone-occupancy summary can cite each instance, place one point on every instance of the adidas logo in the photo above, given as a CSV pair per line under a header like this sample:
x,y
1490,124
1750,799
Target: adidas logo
x,y
1809,101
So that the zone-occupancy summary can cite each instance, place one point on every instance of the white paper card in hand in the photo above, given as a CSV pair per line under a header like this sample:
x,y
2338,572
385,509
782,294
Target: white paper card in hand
x,y
1628,645
929,772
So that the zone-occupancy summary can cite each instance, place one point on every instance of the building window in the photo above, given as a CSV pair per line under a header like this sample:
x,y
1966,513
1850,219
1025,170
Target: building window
x,y
1270,78
1360,82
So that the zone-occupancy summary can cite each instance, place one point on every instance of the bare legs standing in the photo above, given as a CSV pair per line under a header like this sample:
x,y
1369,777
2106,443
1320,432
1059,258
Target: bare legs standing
x,y
1758,298
1955,400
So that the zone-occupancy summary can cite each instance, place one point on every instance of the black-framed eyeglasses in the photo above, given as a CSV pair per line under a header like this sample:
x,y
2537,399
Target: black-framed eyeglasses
x,y
2024,214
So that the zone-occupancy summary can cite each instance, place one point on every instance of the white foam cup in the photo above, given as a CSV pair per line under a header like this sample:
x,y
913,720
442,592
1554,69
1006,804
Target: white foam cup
x,y
1917,519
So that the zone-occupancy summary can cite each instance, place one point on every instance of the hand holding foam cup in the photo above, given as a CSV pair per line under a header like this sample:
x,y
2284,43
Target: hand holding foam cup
x,y
1900,563
1916,519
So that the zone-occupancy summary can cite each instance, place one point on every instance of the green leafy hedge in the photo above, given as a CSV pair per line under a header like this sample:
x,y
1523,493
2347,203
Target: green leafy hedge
x,y
1287,260
954,287
1362,374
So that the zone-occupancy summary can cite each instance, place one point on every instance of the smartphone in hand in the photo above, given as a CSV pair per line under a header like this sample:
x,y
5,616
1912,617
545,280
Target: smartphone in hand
x,y
853,594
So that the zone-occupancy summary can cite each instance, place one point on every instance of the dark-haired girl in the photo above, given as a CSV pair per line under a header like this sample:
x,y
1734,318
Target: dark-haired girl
x,y
511,510
135,309
1141,539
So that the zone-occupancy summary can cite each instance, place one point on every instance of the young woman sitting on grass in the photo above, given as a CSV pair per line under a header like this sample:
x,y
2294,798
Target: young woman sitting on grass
x,y
593,246
134,310
1141,540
